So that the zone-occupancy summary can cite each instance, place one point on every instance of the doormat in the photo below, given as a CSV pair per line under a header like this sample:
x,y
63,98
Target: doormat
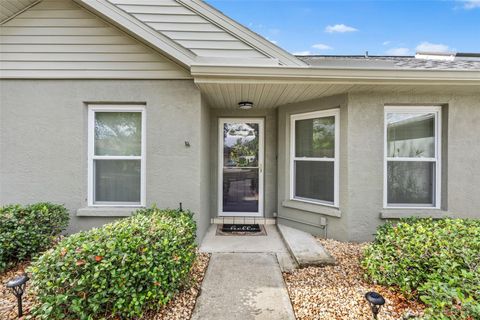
x,y
241,230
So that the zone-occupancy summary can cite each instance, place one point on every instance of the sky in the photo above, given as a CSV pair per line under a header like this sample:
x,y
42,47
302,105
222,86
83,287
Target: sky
x,y
342,27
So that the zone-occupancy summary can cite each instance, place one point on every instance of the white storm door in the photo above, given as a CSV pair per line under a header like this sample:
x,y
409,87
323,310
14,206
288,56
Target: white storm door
x,y
240,159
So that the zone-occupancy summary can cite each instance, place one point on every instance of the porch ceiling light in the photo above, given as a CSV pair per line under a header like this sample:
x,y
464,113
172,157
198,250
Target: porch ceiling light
x,y
245,105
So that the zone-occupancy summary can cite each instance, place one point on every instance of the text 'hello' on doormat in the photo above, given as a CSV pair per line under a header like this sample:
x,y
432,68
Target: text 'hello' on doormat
x,y
241,230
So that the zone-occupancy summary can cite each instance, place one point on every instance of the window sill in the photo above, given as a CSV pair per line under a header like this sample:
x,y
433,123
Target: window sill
x,y
310,207
394,213
106,211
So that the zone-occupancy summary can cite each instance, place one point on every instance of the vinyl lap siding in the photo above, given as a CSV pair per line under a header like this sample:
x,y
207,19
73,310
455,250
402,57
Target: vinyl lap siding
x,y
58,38
187,28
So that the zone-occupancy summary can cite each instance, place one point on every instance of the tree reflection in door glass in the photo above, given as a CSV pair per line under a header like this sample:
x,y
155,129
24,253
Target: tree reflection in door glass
x,y
240,148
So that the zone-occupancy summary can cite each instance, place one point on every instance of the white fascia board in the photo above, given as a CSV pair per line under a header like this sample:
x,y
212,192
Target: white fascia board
x,y
139,30
243,33
280,74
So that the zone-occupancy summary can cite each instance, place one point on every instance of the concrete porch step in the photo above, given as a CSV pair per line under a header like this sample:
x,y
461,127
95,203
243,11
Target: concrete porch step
x,y
305,249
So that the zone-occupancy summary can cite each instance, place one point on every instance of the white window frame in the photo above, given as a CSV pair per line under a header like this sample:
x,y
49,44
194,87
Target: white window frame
x,y
92,109
437,111
312,115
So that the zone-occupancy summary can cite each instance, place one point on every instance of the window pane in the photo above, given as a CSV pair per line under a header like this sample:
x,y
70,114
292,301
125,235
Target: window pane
x,y
240,190
117,180
118,133
240,147
411,135
315,180
411,182
315,137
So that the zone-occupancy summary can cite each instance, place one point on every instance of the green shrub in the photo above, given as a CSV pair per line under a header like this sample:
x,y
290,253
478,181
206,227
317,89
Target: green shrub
x,y
437,261
27,230
118,270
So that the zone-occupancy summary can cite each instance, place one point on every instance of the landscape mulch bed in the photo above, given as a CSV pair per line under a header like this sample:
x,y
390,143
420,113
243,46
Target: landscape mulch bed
x,y
338,292
179,308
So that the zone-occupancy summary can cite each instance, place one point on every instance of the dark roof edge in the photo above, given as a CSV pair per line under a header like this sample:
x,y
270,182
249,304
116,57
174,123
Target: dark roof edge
x,y
349,56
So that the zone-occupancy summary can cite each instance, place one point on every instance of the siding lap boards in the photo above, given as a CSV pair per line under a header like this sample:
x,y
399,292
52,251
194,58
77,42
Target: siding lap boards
x,y
188,28
58,38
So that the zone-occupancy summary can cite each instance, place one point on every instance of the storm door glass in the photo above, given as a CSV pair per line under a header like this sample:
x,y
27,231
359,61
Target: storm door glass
x,y
241,167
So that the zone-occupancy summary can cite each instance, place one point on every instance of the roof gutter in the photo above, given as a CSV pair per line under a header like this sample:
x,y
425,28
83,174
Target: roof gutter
x,y
282,74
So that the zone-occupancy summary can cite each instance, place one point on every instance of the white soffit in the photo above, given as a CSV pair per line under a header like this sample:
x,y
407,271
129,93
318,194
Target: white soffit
x,y
265,95
10,8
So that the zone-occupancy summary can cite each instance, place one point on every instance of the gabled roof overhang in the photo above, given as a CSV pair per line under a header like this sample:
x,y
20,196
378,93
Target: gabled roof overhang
x,y
140,31
246,35
179,53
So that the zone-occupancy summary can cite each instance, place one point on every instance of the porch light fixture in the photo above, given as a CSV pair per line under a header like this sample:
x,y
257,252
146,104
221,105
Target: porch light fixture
x,y
376,301
17,285
245,105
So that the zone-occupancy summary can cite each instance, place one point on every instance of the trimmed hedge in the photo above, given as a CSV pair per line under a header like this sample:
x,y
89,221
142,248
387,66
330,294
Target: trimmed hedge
x,y
27,230
437,261
119,270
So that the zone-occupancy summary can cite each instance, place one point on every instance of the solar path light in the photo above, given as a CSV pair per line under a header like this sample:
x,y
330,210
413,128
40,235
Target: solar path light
x,y
376,301
17,285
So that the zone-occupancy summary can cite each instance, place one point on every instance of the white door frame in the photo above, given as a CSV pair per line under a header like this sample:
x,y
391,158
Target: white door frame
x,y
221,122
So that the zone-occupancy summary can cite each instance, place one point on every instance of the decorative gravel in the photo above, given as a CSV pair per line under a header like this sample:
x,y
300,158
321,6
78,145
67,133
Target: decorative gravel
x,y
338,292
179,308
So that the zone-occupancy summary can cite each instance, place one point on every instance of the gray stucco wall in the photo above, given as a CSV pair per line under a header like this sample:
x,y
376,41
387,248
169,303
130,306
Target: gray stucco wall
x,y
43,142
461,151
361,162
270,167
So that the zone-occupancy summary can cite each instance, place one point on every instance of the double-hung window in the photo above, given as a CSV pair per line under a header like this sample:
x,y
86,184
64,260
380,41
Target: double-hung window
x,y
116,155
412,157
314,156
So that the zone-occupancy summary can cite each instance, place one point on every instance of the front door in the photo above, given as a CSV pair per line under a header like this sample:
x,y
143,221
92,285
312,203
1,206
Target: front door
x,y
240,182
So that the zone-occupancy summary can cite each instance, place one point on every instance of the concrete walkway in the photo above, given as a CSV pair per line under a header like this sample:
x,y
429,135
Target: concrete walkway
x,y
244,279
243,286
272,242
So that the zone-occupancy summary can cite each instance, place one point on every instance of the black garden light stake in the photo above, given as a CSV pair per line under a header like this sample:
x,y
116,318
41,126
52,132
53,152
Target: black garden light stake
x,y
18,288
376,301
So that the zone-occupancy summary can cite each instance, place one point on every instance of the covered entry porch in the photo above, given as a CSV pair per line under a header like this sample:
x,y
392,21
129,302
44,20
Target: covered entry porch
x,y
355,206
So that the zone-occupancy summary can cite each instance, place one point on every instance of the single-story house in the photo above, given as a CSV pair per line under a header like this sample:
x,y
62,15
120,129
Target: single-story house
x,y
111,105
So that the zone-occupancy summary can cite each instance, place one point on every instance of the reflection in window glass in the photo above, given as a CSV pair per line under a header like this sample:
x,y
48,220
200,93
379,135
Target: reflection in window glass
x,y
315,137
118,133
315,180
117,180
411,135
411,182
